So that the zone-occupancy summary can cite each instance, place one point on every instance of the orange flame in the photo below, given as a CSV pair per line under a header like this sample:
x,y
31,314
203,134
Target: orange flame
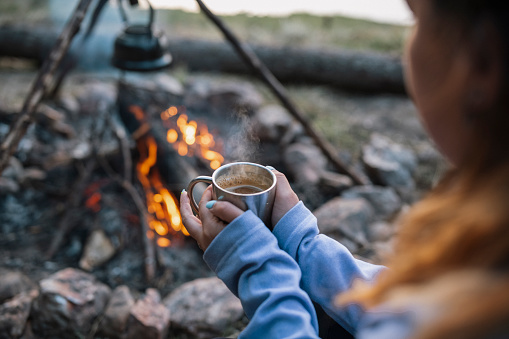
x,y
163,213
189,139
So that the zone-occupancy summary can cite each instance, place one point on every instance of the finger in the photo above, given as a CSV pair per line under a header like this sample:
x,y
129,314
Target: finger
x,y
192,223
224,210
285,199
205,214
205,198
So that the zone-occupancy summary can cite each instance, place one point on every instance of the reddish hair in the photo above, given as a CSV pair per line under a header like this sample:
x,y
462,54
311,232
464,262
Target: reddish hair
x,y
463,224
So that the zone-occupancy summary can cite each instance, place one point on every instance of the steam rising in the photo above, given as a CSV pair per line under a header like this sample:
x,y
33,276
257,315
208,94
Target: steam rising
x,y
243,143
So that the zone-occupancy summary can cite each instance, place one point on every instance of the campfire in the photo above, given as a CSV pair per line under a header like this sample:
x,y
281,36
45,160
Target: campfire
x,y
98,182
188,139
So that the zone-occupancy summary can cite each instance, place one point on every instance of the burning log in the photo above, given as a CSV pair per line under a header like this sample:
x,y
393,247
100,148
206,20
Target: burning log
x,y
164,136
148,113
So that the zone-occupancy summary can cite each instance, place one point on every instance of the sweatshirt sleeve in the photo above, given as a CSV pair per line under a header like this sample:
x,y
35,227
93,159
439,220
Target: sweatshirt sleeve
x,y
246,256
328,268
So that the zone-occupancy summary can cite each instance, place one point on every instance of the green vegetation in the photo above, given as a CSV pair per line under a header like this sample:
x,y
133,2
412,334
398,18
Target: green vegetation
x,y
301,30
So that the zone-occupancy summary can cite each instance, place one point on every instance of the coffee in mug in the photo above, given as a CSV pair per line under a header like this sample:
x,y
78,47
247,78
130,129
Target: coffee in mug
x,y
246,185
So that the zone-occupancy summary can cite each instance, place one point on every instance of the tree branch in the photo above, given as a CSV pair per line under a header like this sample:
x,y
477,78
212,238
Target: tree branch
x,y
279,91
38,90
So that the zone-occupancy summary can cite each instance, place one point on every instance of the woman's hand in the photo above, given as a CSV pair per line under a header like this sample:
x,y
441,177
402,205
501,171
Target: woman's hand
x,y
285,199
213,217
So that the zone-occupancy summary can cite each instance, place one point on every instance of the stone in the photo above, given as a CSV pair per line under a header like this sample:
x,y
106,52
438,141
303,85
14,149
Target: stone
x,y
14,314
69,302
196,94
29,333
389,164
153,97
149,318
169,84
155,84
305,163
13,283
380,231
96,96
307,166
271,122
343,219
69,103
8,186
385,201
114,322
335,182
236,95
32,174
382,250
98,250
14,170
222,98
204,308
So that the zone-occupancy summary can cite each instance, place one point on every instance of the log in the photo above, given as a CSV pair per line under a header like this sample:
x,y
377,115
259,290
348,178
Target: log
x,y
175,171
342,68
345,69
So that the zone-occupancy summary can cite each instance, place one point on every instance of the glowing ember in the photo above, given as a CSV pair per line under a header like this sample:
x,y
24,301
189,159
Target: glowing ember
x,y
94,202
172,136
163,242
170,112
189,139
93,196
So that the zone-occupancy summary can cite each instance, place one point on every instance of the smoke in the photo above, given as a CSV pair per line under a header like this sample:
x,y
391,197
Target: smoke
x,y
242,144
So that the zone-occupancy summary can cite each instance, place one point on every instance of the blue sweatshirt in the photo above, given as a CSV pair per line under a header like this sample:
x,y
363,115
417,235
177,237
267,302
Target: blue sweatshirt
x,y
276,275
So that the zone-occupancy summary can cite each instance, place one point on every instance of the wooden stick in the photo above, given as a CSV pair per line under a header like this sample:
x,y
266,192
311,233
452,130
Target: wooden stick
x,y
277,88
38,90
125,183
149,260
123,142
148,243
68,220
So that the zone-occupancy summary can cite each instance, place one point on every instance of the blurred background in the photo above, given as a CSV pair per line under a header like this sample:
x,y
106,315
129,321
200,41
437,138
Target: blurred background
x,y
388,11
371,26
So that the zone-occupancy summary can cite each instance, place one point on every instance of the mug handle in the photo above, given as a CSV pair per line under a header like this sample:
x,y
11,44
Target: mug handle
x,y
190,187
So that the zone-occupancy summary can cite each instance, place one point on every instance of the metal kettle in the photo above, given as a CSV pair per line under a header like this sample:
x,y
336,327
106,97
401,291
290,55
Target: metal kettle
x,y
140,48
